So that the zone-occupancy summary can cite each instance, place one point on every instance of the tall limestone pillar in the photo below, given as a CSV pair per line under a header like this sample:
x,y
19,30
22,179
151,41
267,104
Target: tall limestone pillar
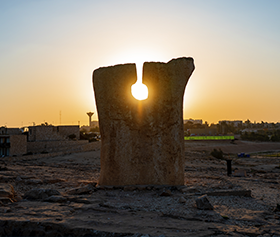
x,y
142,141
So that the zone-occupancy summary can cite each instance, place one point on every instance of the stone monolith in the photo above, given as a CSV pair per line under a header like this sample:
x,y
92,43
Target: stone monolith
x,y
142,141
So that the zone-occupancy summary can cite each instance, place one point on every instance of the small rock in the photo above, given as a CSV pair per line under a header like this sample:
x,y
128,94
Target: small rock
x,y
240,193
80,200
277,208
33,181
239,173
166,193
39,193
7,190
17,198
83,190
141,187
189,190
53,198
53,181
203,203
6,200
129,188
5,209
182,200
18,179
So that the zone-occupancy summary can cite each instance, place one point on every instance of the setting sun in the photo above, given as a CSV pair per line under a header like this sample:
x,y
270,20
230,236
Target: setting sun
x,y
139,91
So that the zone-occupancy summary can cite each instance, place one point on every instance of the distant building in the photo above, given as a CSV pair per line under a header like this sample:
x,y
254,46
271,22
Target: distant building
x,y
52,133
51,138
235,123
12,142
94,124
204,131
194,121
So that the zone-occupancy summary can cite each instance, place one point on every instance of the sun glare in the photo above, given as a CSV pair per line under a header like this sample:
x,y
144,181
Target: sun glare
x,y
139,91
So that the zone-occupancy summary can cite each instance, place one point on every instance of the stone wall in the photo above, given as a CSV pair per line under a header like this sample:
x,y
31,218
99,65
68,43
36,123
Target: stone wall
x,y
142,141
18,145
52,133
43,133
69,130
55,146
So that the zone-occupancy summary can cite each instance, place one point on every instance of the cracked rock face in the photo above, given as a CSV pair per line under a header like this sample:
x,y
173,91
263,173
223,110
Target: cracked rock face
x,y
142,141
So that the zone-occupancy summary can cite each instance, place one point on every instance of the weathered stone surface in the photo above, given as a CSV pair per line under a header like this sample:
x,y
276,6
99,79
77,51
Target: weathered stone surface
x,y
142,141
39,193
53,198
83,190
203,203
240,193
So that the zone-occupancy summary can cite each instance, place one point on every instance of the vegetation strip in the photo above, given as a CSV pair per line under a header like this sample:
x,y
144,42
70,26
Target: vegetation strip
x,y
210,138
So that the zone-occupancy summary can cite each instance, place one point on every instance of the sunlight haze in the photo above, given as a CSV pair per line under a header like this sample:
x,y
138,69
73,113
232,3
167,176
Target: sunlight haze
x,y
49,50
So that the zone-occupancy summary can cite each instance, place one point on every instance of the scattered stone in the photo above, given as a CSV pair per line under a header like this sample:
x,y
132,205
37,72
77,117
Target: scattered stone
x,y
129,188
141,187
18,179
83,190
17,198
6,200
38,194
5,210
80,200
33,181
239,173
182,200
190,190
107,187
277,208
53,198
54,181
7,190
85,182
240,193
203,203
165,193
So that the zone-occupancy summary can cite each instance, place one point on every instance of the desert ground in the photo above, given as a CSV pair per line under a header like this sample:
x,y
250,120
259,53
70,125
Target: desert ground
x,y
58,195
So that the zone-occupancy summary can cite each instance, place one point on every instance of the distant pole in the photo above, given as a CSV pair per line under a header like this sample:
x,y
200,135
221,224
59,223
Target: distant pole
x,y
90,115
60,117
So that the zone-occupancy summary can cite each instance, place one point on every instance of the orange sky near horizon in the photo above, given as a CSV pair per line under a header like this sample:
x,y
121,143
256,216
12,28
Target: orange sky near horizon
x,y
49,50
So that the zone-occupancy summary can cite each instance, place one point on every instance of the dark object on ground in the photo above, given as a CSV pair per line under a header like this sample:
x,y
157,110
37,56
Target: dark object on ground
x,y
217,153
203,203
277,208
228,167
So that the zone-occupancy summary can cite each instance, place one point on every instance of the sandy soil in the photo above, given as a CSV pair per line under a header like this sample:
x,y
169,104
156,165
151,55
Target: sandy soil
x,y
83,209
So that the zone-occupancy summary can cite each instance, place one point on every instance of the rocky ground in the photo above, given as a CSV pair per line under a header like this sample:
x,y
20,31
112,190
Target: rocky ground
x,y
58,196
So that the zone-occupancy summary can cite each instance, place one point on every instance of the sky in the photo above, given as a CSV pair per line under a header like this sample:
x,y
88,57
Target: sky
x,y
49,49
